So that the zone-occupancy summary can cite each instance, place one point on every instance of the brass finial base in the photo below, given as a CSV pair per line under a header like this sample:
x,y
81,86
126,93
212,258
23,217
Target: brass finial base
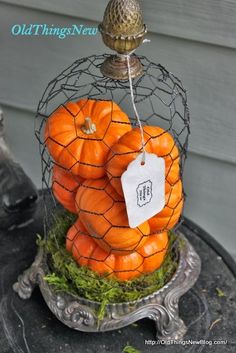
x,y
115,67
122,30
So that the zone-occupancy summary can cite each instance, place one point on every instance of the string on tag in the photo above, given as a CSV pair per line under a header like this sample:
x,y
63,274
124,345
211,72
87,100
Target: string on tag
x,y
127,56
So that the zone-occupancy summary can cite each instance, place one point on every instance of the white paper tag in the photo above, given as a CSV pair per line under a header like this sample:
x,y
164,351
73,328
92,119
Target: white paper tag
x,y
144,188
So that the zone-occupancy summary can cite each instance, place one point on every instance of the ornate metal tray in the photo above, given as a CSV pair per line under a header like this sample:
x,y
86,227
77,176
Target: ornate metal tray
x,y
81,314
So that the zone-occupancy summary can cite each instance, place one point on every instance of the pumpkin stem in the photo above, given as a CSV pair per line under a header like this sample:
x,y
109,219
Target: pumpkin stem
x,y
88,127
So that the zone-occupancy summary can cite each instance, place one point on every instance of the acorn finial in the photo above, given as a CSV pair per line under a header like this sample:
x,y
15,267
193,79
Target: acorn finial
x,y
122,30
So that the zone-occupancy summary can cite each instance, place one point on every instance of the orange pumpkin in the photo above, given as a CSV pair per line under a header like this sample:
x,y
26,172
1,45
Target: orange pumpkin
x,y
169,216
103,213
87,252
157,141
64,187
79,135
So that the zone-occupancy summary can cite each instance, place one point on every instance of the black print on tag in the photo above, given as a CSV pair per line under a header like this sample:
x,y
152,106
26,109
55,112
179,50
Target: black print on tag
x,y
144,193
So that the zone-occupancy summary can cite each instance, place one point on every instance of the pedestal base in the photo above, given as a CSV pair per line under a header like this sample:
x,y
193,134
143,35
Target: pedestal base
x,y
116,68
81,314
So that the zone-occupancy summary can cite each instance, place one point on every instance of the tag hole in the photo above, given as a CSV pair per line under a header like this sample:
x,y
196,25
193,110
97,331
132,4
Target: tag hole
x,y
142,163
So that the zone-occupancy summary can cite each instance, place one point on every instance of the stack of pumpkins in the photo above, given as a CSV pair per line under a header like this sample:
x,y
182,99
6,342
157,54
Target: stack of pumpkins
x,y
92,143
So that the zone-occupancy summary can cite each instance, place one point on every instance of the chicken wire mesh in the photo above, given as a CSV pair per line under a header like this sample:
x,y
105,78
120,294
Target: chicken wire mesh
x,y
88,134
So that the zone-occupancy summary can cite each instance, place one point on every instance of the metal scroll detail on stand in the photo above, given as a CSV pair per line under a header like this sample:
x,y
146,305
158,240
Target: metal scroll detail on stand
x,y
81,314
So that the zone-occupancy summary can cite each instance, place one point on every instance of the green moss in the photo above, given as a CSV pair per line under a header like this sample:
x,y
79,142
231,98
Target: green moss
x,y
130,349
66,275
220,293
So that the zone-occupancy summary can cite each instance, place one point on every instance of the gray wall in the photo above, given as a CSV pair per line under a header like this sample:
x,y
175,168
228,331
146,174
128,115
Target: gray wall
x,y
194,39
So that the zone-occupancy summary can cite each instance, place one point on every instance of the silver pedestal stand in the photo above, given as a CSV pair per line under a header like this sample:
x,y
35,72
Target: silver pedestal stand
x,y
81,314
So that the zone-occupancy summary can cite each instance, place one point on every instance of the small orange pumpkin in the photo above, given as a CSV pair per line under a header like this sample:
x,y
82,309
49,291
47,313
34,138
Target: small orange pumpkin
x,y
64,187
169,216
157,141
79,135
103,213
87,252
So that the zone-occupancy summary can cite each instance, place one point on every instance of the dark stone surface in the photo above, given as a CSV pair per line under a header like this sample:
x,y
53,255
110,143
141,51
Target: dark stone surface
x,y
29,326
